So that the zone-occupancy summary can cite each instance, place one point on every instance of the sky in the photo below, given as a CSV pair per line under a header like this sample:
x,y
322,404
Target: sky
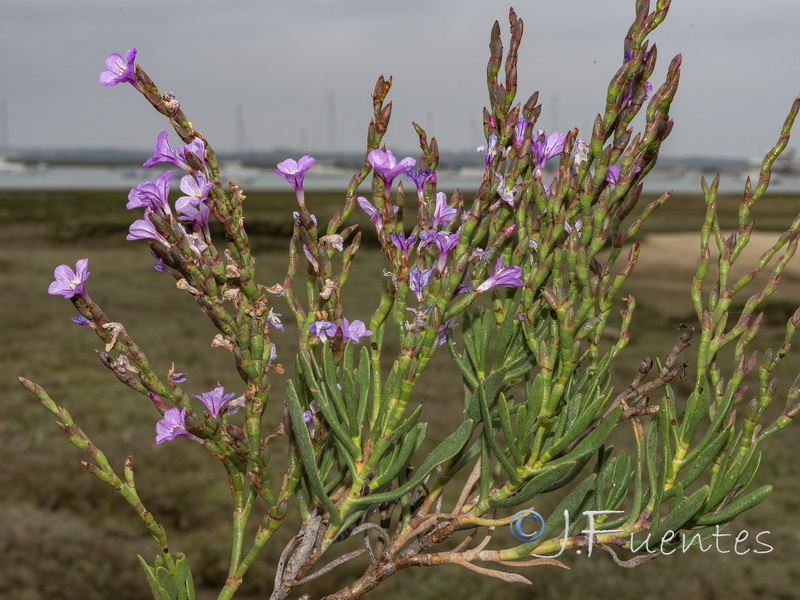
x,y
299,74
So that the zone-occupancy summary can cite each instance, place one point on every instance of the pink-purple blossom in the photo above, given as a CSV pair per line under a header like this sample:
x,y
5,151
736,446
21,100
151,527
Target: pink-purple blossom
x,y
197,215
152,195
519,131
173,425
323,330
354,331
143,229
612,176
578,226
372,212
420,177
386,165
502,277
445,242
506,194
274,318
120,70
418,281
196,188
308,417
444,330
215,399
490,149
178,377
294,171
69,283
404,243
163,152
350,331
443,213
545,147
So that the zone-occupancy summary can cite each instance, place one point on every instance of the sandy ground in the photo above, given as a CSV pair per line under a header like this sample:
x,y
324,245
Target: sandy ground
x,y
668,261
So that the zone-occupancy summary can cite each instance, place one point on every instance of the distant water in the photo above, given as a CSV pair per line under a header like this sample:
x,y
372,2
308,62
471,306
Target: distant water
x,y
328,178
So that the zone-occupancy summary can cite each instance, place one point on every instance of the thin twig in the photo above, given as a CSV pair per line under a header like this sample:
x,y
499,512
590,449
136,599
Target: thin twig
x,y
331,565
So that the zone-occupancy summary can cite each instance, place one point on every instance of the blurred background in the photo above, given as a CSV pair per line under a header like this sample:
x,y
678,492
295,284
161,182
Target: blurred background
x,y
267,82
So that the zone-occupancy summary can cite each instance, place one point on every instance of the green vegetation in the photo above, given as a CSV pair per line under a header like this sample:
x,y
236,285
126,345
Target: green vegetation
x,y
58,524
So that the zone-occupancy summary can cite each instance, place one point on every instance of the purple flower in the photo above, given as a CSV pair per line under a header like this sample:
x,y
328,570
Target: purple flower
x,y
236,404
120,69
444,329
196,147
295,171
490,149
308,417
506,194
368,208
354,331
159,266
420,177
196,188
612,176
429,236
418,280
152,195
443,213
163,152
214,400
503,276
274,319
323,330
404,243
581,152
173,425
445,242
143,229
578,227
196,215
177,377
350,331
546,147
371,211
519,131
69,283
386,165
81,320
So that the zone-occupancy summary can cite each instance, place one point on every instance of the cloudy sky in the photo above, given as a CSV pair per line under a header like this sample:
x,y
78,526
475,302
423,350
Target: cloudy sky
x,y
300,73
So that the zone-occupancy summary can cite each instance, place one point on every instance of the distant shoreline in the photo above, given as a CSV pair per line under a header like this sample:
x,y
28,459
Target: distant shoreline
x,y
46,177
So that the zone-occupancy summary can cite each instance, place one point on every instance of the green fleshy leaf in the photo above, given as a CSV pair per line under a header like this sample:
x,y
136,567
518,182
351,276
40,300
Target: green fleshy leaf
x,y
544,479
736,508
572,504
409,443
363,386
305,448
681,514
451,446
